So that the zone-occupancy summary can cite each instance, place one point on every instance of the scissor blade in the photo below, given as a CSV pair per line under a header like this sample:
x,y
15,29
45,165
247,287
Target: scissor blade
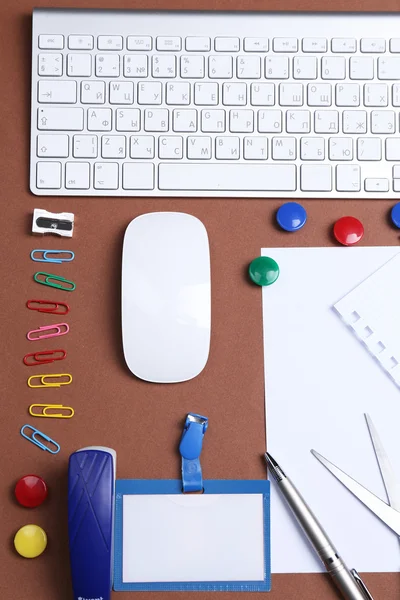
x,y
388,515
390,482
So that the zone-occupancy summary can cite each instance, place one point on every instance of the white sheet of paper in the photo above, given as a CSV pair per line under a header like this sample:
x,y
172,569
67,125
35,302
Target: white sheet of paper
x,y
209,537
319,382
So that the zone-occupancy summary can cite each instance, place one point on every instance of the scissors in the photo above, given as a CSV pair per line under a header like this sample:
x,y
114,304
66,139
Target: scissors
x,y
389,512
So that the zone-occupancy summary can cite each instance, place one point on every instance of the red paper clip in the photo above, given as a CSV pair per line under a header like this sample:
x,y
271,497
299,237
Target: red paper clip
x,y
53,310
38,360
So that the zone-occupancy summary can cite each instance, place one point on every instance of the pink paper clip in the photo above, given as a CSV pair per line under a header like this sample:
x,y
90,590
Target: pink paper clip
x,y
60,329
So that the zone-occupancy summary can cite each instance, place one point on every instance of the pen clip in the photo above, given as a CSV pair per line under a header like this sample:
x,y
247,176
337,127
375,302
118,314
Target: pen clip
x,y
361,584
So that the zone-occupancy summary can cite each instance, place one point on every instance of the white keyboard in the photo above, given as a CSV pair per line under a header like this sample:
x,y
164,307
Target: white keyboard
x,y
292,105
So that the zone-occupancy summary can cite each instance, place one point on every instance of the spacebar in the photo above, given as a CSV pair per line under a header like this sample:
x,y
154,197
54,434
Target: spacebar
x,y
224,177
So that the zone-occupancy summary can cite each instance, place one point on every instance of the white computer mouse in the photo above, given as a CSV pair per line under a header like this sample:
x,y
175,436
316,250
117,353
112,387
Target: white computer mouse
x,y
166,297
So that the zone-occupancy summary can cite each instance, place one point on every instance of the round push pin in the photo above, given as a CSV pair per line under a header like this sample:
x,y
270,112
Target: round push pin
x,y
348,231
30,541
31,491
263,270
291,216
395,215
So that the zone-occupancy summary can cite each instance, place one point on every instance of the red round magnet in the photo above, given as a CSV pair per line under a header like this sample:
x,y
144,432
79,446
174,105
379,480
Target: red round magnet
x,y
31,491
348,231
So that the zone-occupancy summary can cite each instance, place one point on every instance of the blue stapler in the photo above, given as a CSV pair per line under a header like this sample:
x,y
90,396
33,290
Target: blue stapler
x,y
91,501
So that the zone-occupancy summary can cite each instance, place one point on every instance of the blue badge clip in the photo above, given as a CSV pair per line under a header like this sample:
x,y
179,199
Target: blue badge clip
x,y
190,450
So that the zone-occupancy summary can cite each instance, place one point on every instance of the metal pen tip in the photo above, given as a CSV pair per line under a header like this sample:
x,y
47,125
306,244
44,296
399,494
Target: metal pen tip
x,y
274,467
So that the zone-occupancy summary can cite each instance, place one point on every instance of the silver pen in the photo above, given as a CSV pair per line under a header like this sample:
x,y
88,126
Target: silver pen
x,y
349,583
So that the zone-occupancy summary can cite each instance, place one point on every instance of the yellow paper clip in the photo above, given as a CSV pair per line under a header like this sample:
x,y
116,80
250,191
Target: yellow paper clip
x,y
43,380
48,407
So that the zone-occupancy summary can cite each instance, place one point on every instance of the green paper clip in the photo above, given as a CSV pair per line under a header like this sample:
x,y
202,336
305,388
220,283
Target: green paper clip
x,y
49,279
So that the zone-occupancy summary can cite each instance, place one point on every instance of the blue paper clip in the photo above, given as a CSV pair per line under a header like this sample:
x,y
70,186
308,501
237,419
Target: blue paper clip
x,y
32,438
190,450
45,254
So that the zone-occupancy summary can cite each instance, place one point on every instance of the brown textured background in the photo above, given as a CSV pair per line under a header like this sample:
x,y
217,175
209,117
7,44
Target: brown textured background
x,y
143,422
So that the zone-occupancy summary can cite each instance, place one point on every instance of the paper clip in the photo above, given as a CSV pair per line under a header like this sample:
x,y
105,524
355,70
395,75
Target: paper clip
x,y
58,331
45,254
43,380
53,311
32,438
38,358
48,407
48,278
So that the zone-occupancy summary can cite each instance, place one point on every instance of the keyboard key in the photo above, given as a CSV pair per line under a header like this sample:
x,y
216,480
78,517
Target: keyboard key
x,y
142,146
227,44
192,67
170,147
373,45
298,121
241,121
150,92
319,94
254,44
51,42
107,65
396,95
198,44
383,121
393,149
315,178
85,146
276,67
389,67
138,176
206,94
109,42
178,93
220,67
52,146
93,92
285,44
255,148
361,67
99,119
57,92
395,45
136,66
80,42
121,92
262,94
170,44
198,148
185,120
291,94
269,121
305,67
347,94
50,65
283,148
341,148
113,146
348,178
60,119
312,148
376,185
213,121
128,119
333,67
227,148
79,65
354,121
106,176
248,67
77,175
164,66
326,121
227,177
156,119
396,172
344,45
369,148
48,175
375,94
315,45
234,94
139,42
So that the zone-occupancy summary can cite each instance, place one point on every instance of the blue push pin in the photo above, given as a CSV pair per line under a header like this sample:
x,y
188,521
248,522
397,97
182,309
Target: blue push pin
x,y
395,215
291,216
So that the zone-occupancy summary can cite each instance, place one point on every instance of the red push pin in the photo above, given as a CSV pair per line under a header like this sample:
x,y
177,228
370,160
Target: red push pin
x,y
31,491
348,231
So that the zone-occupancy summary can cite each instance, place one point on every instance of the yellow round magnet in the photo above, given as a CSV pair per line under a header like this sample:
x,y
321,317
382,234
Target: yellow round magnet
x,y
30,541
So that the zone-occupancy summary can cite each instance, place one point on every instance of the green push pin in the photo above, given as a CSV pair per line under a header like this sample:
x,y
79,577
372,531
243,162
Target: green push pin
x,y
263,270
